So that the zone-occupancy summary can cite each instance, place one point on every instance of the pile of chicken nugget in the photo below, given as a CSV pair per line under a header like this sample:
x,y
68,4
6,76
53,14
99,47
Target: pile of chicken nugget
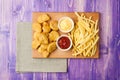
x,y
45,34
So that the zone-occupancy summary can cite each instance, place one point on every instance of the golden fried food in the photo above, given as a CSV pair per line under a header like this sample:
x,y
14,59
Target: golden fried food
x,y
54,25
51,47
44,35
36,27
42,48
85,36
43,39
42,18
46,27
36,35
45,54
47,34
35,44
53,35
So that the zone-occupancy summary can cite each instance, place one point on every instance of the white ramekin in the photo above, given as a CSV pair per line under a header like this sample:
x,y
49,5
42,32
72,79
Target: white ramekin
x,y
68,47
62,18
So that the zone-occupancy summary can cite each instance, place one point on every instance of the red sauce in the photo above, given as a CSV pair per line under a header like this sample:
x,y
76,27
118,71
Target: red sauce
x,y
64,42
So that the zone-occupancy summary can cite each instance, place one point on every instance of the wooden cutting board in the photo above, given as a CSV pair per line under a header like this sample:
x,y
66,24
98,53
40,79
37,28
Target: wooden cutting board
x,y
55,16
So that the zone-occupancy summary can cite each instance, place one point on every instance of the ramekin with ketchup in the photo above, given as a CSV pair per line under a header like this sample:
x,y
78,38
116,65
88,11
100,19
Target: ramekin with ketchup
x,y
64,43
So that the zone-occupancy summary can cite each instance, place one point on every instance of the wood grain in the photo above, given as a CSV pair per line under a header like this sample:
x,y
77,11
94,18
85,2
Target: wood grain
x,y
105,68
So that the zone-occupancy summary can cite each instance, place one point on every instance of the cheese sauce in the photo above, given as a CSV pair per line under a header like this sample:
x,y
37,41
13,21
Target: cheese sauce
x,y
65,24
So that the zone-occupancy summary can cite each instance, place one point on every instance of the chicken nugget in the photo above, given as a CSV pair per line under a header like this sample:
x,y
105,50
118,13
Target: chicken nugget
x,y
36,27
35,44
54,25
42,18
45,54
53,36
47,34
51,47
40,50
43,38
46,27
43,50
36,35
44,46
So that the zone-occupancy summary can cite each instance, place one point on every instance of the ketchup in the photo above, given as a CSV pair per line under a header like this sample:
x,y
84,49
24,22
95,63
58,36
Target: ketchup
x,y
64,42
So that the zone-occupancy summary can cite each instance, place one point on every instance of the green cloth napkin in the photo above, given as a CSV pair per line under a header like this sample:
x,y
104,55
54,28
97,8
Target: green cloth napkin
x,y
25,62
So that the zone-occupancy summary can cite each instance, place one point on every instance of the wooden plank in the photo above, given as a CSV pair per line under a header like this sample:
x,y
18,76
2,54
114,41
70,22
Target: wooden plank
x,y
56,16
4,52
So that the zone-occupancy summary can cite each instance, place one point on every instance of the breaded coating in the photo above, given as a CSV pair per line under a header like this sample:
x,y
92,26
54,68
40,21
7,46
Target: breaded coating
x,y
54,25
47,34
43,39
44,46
46,27
35,44
43,50
40,50
36,35
36,27
42,18
45,54
53,35
51,47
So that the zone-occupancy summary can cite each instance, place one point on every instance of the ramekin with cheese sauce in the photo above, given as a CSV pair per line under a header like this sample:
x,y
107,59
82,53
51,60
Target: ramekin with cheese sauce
x,y
65,24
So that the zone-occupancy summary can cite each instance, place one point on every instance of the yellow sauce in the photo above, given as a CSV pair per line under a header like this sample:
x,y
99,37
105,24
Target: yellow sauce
x,y
65,24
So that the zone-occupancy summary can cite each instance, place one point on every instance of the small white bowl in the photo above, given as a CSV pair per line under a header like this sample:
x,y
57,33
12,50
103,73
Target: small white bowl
x,y
72,24
60,47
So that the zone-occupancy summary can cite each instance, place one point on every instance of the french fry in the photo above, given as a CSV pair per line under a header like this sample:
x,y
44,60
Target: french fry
x,y
85,36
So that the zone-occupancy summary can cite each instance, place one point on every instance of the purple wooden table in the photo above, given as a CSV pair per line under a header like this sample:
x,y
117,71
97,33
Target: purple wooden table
x,y
105,68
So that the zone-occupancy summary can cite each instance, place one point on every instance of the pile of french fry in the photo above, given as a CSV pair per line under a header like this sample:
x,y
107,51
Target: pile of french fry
x,y
85,36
